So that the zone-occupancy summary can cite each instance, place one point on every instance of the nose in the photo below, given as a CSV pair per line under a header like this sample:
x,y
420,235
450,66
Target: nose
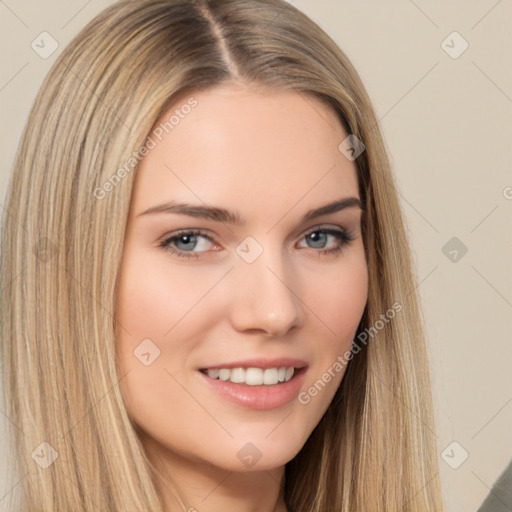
x,y
264,297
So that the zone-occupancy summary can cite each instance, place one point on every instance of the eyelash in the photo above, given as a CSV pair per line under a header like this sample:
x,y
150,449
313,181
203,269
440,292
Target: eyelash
x,y
344,238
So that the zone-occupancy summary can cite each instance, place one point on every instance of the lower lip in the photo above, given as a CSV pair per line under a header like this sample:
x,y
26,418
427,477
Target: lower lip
x,y
260,398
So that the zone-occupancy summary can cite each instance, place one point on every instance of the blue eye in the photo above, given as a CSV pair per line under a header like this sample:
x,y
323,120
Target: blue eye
x,y
184,244
189,240
320,236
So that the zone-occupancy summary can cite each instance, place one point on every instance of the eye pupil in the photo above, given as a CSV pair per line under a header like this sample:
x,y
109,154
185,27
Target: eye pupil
x,y
317,237
187,240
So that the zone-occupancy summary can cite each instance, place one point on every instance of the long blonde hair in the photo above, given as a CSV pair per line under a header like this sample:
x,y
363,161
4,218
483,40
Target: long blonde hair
x,y
374,449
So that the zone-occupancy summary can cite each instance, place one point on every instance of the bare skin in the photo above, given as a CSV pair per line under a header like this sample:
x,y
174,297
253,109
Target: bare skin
x,y
271,157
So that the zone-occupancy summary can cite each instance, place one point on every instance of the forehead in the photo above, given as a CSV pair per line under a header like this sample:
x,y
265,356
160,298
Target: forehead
x,y
247,149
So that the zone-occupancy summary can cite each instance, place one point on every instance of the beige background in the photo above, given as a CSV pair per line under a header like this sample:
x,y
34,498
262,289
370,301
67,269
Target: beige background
x,y
448,125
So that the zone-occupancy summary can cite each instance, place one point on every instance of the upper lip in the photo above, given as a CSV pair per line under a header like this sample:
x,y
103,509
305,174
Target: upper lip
x,y
278,362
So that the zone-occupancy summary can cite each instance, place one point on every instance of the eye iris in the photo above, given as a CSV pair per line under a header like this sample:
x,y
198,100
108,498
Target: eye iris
x,y
190,241
318,237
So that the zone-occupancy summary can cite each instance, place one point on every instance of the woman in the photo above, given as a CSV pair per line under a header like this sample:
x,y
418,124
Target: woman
x,y
206,284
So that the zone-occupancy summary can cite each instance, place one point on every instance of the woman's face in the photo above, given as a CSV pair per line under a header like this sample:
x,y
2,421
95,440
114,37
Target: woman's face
x,y
242,273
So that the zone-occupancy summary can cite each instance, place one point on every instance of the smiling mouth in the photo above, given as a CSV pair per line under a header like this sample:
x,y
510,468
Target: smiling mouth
x,y
252,376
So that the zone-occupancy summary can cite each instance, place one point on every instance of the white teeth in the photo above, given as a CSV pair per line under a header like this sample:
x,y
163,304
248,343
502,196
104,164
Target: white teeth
x,y
237,375
252,376
224,374
270,376
213,373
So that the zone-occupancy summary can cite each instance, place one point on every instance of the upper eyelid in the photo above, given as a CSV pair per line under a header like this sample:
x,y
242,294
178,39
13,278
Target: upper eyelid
x,y
319,227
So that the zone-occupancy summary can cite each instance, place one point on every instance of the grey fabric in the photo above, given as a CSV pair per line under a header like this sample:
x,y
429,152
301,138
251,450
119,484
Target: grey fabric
x,y
500,496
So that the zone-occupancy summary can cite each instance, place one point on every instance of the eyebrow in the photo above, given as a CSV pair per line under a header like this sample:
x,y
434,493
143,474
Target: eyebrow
x,y
231,217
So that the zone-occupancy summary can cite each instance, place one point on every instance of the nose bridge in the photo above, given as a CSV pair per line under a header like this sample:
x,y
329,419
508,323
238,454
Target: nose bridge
x,y
266,298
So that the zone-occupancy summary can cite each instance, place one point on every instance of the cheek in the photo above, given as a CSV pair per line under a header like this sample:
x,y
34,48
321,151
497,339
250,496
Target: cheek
x,y
157,309
143,305
341,297
338,301
157,299
150,305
